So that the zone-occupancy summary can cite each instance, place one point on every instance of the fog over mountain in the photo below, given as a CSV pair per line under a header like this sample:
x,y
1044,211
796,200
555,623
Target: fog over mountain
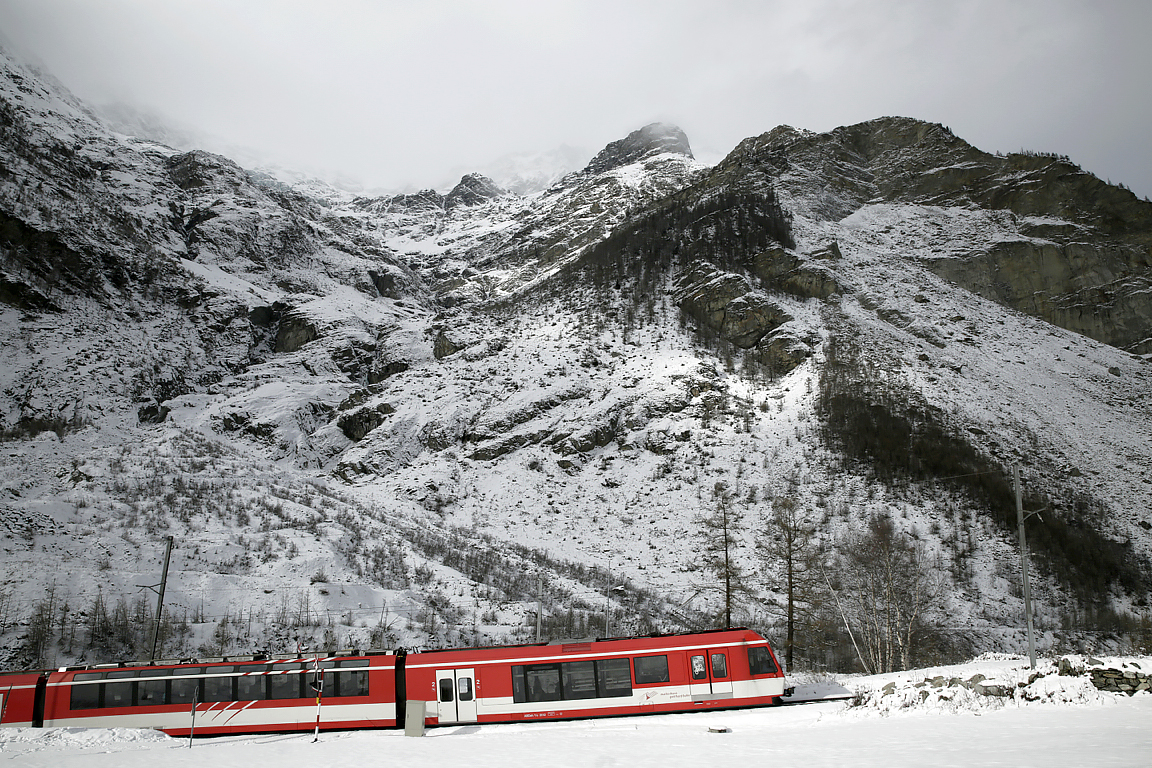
x,y
391,95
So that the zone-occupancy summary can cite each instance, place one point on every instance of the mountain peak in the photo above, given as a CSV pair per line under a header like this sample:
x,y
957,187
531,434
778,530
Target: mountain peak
x,y
473,189
652,139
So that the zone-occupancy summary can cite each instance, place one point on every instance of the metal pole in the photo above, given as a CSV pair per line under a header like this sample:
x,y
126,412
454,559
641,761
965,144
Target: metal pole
x,y
160,597
1024,565
318,686
195,701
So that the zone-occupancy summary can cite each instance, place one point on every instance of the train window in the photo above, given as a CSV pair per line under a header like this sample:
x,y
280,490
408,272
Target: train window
x,y
219,688
118,694
719,665
579,679
651,669
614,677
152,689
446,689
251,687
699,669
572,680
349,682
464,688
760,661
185,689
86,696
285,685
543,682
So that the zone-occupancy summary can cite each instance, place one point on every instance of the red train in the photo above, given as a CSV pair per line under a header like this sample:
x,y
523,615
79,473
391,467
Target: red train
x,y
598,678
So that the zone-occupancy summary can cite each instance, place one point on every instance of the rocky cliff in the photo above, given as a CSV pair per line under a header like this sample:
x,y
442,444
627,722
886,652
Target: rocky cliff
x,y
1057,243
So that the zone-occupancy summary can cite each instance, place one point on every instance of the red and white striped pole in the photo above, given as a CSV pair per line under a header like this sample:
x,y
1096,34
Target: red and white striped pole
x,y
318,686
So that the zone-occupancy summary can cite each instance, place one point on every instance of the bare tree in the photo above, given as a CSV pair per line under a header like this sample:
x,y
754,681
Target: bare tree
x,y
788,547
39,638
888,587
719,536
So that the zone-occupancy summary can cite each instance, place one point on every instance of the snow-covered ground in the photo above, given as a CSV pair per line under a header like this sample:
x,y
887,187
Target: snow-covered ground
x,y
1070,724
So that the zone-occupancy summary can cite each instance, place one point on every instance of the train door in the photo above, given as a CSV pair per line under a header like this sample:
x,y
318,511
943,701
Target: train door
x,y
456,695
710,674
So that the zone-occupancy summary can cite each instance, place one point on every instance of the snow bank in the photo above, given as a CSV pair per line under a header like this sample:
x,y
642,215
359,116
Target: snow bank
x,y
991,682
14,741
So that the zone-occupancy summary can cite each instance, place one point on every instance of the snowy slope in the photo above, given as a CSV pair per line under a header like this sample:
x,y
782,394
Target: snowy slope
x,y
380,421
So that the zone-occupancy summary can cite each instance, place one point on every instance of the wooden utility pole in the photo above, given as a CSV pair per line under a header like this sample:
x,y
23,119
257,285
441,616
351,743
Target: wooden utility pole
x,y
1024,565
160,597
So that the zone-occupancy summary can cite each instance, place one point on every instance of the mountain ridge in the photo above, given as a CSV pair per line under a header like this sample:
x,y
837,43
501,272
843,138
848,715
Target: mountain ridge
x,y
406,412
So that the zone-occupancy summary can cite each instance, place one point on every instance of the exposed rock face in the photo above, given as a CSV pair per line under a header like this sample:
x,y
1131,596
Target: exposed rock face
x,y
726,303
43,257
17,293
650,140
473,189
199,170
426,200
789,272
1099,290
294,332
359,423
443,346
1076,252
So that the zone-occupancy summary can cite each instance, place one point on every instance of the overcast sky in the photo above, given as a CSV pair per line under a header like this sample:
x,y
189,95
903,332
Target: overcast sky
x,y
401,93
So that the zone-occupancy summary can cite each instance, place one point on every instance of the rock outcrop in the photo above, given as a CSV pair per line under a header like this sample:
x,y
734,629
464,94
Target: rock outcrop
x,y
473,189
654,139
1077,253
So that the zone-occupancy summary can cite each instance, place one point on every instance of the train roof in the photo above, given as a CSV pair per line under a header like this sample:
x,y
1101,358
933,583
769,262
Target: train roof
x,y
565,645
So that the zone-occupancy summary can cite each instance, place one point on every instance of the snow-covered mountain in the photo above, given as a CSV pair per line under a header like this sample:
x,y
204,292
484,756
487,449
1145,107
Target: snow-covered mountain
x,y
527,173
407,420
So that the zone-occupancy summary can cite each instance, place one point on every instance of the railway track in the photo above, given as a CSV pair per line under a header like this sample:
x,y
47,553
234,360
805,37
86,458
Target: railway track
x,y
794,702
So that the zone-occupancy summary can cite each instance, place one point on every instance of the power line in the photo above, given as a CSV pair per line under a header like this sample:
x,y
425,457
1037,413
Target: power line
x,y
970,474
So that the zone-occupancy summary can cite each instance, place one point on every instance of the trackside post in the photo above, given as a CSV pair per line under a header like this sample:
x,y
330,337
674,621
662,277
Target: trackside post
x,y
195,701
318,686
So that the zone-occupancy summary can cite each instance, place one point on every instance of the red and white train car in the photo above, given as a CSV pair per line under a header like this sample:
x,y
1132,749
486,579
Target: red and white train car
x,y
22,699
222,698
626,676
596,678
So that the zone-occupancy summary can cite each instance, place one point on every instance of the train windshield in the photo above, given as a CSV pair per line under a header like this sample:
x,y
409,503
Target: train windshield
x,y
760,661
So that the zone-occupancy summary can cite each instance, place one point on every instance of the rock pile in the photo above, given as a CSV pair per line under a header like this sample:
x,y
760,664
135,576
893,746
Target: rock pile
x,y
1129,678
1121,681
1074,679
